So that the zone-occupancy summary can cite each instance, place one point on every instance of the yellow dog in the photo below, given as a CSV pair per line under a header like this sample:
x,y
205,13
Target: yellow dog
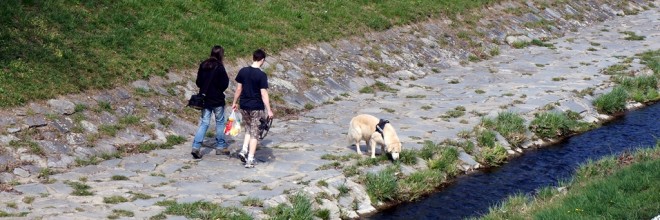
x,y
374,131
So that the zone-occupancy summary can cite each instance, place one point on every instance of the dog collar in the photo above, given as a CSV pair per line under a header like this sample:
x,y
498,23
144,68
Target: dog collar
x,y
380,126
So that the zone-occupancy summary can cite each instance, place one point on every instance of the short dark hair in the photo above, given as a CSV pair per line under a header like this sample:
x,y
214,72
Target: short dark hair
x,y
258,55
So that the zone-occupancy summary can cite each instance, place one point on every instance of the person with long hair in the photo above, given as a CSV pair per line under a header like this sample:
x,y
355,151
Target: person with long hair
x,y
212,81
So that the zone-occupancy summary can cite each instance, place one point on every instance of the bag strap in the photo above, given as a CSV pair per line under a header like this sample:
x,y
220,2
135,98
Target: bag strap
x,y
205,89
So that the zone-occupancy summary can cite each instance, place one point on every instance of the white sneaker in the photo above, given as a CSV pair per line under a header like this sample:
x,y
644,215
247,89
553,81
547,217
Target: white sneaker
x,y
243,156
250,164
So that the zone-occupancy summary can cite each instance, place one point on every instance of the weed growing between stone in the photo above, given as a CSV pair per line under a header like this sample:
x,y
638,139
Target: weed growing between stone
x,y
510,125
381,186
632,36
554,124
408,157
201,210
114,199
4,214
252,201
640,88
118,213
612,102
300,208
79,189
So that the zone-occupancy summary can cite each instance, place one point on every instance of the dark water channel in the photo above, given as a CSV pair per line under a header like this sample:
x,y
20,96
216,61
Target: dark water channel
x,y
472,195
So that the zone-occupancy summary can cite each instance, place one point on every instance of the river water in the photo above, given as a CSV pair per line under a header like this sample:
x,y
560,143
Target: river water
x,y
472,195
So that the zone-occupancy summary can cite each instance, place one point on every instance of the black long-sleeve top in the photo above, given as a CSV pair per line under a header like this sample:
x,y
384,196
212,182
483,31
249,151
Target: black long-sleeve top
x,y
215,92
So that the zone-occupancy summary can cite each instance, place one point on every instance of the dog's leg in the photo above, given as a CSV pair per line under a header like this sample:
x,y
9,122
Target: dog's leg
x,y
372,144
357,148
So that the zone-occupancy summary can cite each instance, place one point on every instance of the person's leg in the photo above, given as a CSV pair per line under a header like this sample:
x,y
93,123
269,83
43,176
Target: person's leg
x,y
246,142
253,148
204,121
246,116
253,130
220,142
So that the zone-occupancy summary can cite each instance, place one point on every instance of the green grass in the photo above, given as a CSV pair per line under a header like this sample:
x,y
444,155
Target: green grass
x,y
428,150
381,186
447,159
28,199
117,213
417,184
114,199
652,60
492,156
119,177
486,138
80,189
203,210
300,208
612,102
4,214
343,190
520,44
555,124
85,45
345,157
137,196
147,147
616,69
616,187
541,43
251,201
510,125
408,157
632,36
641,88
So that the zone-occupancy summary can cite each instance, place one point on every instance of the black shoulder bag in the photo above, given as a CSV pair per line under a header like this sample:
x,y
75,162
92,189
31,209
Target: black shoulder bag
x,y
197,101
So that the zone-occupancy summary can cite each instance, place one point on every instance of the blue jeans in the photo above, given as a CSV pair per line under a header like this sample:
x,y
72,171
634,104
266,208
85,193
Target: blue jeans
x,y
205,120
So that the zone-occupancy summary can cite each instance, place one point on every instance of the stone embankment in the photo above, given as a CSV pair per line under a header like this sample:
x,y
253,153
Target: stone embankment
x,y
428,68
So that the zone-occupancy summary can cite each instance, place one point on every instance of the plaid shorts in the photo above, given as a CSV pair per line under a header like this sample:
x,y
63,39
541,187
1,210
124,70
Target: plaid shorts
x,y
251,121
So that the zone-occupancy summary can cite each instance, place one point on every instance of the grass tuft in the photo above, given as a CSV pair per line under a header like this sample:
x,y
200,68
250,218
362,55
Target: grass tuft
x,y
203,210
301,208
612,102
555,124
510,125
381,186
114,199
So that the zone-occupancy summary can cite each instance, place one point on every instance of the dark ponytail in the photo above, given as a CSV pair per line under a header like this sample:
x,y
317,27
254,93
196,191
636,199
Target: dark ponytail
x,y
217,55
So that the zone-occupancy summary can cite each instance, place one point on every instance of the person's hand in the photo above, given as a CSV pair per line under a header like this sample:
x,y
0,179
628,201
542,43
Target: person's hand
x,y
270,114
233,106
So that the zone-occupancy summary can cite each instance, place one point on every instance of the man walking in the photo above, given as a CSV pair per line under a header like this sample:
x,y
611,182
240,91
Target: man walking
x,y
252,89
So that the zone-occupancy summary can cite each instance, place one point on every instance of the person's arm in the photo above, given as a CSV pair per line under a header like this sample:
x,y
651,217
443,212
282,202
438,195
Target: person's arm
x,y
223,78
199,81
237,93
266,100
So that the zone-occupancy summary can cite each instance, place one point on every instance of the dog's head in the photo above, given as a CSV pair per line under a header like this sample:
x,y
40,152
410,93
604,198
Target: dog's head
x,y
394,149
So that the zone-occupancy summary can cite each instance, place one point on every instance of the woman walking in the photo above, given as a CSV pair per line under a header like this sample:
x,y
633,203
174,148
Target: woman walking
x,y
212,81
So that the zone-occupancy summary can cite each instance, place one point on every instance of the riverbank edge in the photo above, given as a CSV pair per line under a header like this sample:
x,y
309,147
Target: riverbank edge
x,y
518,205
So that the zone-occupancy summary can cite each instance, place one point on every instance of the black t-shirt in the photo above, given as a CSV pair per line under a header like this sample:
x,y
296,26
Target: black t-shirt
x,y
253,80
